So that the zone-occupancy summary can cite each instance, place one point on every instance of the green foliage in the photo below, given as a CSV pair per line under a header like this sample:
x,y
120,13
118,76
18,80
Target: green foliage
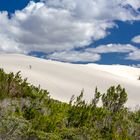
x,y
114,99
28,113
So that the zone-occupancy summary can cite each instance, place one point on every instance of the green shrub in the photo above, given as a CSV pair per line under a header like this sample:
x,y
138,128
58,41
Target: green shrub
x,y
29,113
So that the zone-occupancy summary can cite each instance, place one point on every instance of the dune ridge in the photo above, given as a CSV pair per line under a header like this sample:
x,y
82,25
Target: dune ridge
x,y
63,80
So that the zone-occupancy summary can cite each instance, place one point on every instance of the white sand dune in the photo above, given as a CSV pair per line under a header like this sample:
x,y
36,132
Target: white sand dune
x,y
63,80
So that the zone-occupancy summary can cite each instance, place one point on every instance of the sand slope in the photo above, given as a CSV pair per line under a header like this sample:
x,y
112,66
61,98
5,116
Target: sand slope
x,y
63,80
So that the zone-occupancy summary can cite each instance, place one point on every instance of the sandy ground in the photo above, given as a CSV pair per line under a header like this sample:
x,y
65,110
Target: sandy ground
x,y
63,80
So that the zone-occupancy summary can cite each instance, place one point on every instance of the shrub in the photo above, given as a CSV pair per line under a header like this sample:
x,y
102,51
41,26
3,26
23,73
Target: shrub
x,y
28,112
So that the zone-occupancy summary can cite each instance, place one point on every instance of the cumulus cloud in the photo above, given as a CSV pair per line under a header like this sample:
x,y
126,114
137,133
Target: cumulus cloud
x,y
134,55
134,3
9,46
113,48
136,39
63,25
74,56
94,54
133,51
99,9
47,29
136,65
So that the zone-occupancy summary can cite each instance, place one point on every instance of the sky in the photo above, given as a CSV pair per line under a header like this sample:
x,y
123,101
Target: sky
x,y
75,31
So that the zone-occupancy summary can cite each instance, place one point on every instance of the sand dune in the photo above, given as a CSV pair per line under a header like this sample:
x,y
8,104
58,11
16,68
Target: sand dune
x,y
63,80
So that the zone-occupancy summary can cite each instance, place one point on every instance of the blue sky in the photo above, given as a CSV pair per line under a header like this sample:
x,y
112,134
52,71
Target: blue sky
x,y
67,31
122,35
13,5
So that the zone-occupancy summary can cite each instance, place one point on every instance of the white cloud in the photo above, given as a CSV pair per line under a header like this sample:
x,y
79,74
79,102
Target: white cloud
x,y
9,46
135,65
136,39
134,55
42,28
98,9
134,3
94,54
74,56
62,25
113,48
133,52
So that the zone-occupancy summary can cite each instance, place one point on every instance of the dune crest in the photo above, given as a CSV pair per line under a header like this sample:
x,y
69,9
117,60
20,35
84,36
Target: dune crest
x,y
63,80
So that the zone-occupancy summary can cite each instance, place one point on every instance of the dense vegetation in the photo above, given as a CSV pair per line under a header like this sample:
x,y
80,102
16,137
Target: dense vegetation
x,y
28,113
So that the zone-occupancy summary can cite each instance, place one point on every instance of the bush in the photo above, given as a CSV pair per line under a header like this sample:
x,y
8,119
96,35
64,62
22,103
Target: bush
x,y
28,112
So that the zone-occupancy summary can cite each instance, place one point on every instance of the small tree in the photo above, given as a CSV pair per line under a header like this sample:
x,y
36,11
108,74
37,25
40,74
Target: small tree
x,y
114,99
96,98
